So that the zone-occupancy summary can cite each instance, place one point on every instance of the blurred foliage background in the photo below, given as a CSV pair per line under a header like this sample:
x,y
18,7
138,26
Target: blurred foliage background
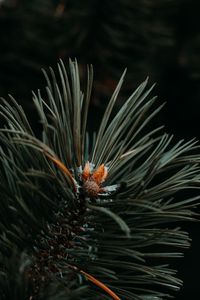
x,y
150,37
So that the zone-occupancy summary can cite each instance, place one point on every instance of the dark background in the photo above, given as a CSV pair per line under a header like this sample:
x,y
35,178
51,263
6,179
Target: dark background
x,y
150,37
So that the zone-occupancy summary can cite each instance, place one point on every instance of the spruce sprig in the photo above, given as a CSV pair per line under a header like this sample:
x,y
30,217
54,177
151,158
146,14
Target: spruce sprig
x,y
91,217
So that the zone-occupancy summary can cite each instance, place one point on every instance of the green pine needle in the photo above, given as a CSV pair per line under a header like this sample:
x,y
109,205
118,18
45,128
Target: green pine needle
x,y
92,217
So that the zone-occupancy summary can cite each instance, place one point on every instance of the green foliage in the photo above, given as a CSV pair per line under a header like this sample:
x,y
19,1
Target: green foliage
x,y
109,34
54,233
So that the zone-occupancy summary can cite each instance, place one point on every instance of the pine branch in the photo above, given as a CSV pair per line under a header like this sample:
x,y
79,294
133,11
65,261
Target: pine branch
x,y
92,216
